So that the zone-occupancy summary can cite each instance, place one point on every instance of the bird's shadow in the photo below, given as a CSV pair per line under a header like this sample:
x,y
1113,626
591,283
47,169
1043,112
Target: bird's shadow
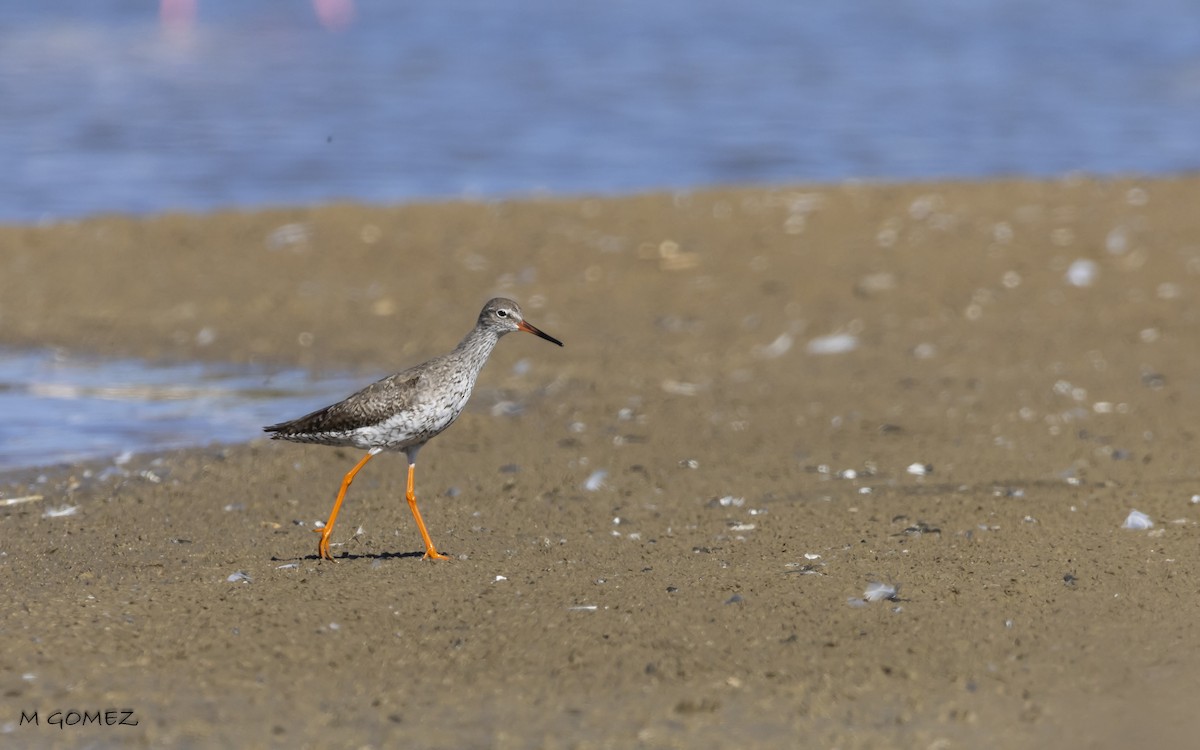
x,y
348,556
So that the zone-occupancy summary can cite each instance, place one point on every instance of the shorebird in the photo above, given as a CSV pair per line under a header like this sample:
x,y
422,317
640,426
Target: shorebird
x,y
405,411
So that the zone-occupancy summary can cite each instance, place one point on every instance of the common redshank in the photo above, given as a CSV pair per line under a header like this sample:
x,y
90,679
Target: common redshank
x,y
405,411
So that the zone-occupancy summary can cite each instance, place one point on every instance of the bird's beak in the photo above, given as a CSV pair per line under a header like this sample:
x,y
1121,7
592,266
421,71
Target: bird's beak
x,y
531,329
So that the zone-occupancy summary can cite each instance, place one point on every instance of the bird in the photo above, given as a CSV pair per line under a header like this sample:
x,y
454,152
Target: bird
x,y
406,410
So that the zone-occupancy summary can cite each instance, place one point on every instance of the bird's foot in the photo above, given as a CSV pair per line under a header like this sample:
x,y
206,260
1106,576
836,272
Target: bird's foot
x,y
433,554
323,545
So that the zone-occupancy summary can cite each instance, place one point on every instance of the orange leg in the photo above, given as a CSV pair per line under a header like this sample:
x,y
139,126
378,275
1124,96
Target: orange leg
x,y
323,545
411,497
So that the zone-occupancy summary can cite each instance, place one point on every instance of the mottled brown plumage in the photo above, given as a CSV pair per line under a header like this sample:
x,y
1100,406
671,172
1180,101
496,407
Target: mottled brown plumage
x,y
370,406
404,411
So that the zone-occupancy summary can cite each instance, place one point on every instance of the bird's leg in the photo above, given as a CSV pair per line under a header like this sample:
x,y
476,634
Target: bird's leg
x,y
323,545
409,495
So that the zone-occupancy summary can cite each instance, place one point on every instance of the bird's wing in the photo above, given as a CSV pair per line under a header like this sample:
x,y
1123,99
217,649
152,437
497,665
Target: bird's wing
x,y
375,403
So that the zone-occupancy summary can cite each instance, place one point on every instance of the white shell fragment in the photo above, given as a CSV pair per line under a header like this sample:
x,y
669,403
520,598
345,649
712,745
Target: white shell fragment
x,y
919,469
1082,272
595,481
877,592
65,510
776,348
6,502
239,576
679,388
834,343
1137,521
288,236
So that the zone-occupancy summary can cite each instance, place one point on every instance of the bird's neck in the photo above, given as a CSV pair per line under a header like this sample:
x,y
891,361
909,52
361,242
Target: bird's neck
x,y
477,345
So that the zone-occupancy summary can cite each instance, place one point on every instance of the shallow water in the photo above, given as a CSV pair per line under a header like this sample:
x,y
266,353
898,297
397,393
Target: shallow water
x,y
58,408
115,106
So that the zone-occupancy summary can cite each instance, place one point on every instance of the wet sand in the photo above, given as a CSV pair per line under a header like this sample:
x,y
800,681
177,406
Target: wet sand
x,y
705,592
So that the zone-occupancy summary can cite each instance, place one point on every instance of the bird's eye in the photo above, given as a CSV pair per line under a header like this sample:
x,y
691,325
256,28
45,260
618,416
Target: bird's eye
x,y
502,313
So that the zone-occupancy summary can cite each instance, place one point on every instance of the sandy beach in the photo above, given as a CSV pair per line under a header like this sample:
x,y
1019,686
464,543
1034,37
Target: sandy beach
x,y
769,400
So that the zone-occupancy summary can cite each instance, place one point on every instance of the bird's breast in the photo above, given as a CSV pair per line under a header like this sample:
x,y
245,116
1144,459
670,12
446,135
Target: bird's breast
x,y
425,418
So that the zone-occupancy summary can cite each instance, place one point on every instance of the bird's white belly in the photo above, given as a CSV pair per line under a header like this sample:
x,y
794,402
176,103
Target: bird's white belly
x,y
415,425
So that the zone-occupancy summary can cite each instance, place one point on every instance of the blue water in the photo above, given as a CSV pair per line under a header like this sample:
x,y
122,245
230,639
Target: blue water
x,y
114,106
60,409
138,107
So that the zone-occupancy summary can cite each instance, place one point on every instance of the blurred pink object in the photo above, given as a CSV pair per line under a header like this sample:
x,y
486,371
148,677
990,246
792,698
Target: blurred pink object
x,y
177,14
334,15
